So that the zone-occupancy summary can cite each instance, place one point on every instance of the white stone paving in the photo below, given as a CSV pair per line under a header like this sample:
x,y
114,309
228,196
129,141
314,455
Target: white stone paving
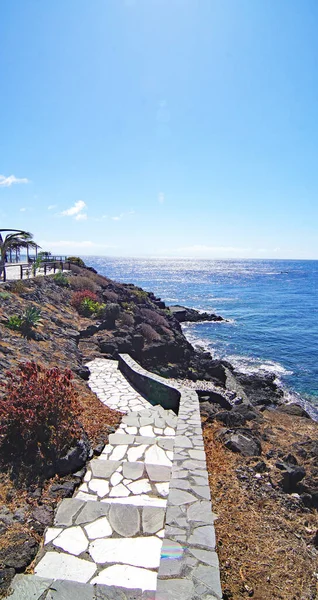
x,y
113,533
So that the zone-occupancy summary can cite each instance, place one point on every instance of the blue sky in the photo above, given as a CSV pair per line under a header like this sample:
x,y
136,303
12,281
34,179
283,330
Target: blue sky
x,y
161,127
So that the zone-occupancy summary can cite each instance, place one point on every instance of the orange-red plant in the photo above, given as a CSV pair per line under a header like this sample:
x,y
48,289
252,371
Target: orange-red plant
x,y
78,297
38,414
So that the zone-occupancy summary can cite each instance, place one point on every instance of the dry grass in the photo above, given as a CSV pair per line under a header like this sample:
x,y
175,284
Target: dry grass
x,y
264,543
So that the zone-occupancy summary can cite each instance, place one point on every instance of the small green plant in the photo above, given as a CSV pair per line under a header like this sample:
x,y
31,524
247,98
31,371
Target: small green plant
x,y
4,295
14,322
26,322
61,279
31,317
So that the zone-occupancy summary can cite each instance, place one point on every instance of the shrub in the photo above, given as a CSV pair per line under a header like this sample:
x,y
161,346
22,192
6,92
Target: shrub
x,y
112,312
110,296
38,410
61,279
18,287
78,297
82,282
154,317
149,333
76,260
127,319
4,295
139,294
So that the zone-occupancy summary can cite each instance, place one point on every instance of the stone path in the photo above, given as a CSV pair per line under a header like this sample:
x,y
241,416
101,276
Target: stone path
x,y
108,537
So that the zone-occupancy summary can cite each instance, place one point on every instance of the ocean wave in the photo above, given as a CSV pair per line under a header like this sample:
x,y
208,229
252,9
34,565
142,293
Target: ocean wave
x,y
250,365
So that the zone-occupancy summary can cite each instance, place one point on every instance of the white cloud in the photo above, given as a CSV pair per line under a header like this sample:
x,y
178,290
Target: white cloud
x,y
51,206
11,179
119,217
161,197
74,210
81,217
22,209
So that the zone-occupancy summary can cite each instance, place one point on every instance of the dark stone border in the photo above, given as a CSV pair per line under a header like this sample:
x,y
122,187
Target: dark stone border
x,y
154,387
189,567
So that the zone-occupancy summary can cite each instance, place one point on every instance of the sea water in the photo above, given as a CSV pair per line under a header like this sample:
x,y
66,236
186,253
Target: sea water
x,y
270,305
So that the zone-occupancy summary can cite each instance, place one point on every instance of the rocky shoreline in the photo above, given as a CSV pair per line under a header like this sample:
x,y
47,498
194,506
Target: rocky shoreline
x,y
140,324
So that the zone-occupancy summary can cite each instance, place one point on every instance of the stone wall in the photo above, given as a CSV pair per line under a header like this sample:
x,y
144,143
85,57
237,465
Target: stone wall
x,y
189,568
153,387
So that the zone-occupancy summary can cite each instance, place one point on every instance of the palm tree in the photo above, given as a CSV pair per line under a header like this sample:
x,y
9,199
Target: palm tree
x,y
15,240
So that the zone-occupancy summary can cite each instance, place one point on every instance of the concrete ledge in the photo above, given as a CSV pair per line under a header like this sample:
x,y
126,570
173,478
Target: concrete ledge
x,y
189,567
154,387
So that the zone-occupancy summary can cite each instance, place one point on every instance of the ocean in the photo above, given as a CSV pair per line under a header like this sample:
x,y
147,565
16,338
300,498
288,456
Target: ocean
x,y
270,305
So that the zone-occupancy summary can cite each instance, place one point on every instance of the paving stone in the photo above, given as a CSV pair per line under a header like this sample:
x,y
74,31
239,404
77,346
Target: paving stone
x,y
115,438
208,557
158,473
98,529
181,484
173,514
163,488
142,500
201,480
86,497
197,454
67,510
169,567
177,497
119,452
203,536
210,577
202,490
171,549
200,511
51,534
100,486
147,431
125,520
137,552
116,478
68,590
147,441
141,486
136,452
183,441
165,443
66,567
133,470
91,512
131,430
152,519
107,592
169,431
157,456
175,589
72,540
103,468
120,491
28,587
127,576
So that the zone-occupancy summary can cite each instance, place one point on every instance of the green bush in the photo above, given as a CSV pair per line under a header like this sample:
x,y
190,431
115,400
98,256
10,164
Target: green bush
x,y
76,260
61,279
